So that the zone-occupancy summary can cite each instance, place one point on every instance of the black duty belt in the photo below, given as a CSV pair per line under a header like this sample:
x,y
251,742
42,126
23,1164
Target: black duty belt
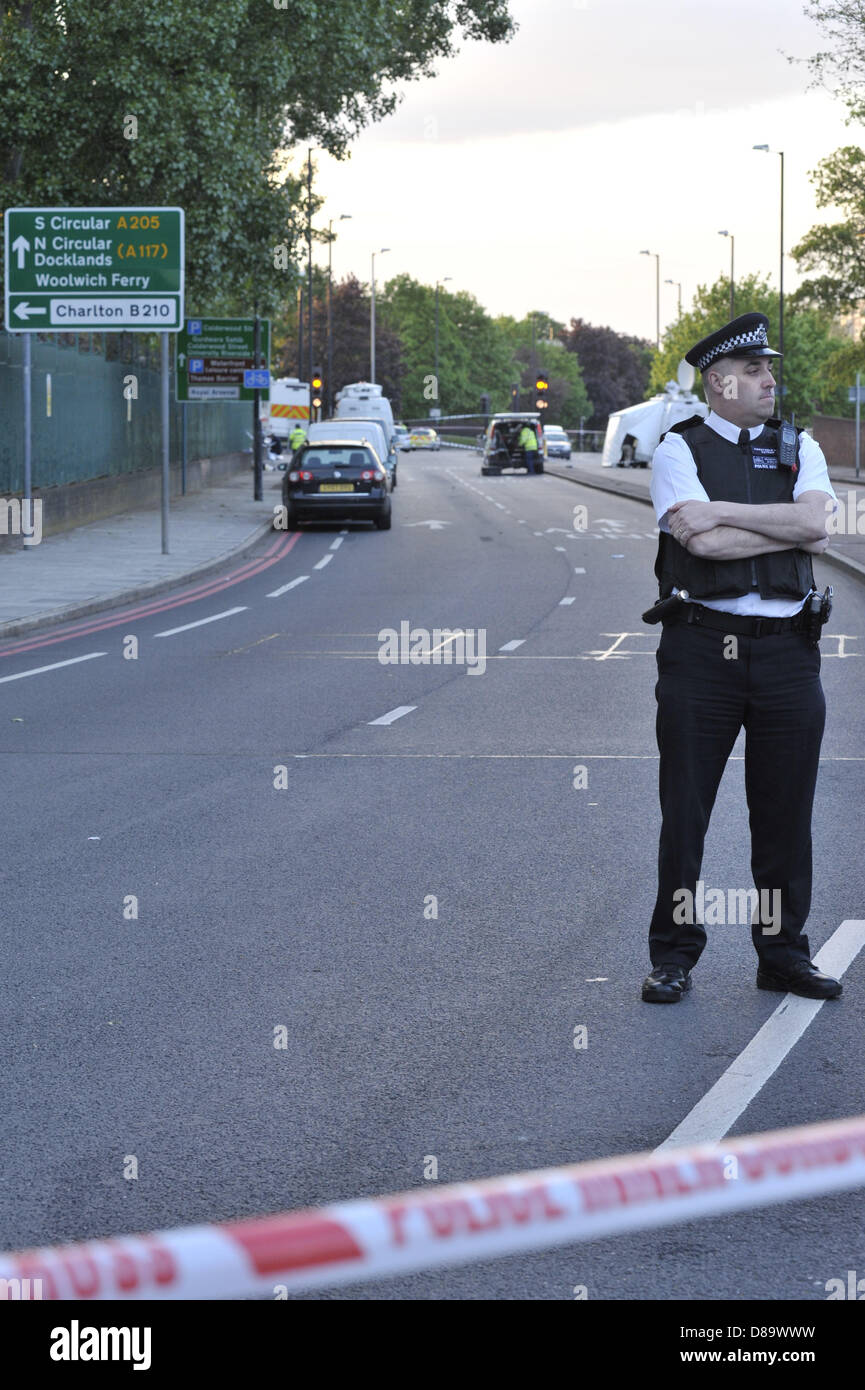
x,y
676,610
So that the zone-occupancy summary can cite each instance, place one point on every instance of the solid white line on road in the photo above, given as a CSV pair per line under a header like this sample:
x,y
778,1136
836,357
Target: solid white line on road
x,y
170,632
325,561
512,646
301,579
571,599
717,1112
337,543
393,714
579,571
55,666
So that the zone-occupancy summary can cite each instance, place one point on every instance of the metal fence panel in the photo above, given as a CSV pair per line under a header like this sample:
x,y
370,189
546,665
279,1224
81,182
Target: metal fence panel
x,y
83,424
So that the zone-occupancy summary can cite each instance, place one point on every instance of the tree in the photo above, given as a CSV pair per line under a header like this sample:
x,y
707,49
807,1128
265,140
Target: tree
x,y
837,250
810,340
472,357
157,103
615,367
568,401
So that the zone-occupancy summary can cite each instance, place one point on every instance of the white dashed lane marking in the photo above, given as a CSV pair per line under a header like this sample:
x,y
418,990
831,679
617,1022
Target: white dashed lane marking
x,y
512,646
214,618
563,601
55,666
301,579
324,561
393,714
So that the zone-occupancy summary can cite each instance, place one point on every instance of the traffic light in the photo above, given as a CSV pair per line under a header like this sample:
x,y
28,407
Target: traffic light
x,y
542,386
316,386
485,403
515,396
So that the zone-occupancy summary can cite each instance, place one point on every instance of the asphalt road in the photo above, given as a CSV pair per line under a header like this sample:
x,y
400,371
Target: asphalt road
x,y
408,1035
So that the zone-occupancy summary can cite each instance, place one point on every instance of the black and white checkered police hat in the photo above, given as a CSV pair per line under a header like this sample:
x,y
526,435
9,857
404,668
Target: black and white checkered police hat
x,y
746,336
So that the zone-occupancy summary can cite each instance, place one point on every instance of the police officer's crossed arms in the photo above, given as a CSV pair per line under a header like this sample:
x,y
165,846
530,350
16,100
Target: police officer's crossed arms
x,y
742,502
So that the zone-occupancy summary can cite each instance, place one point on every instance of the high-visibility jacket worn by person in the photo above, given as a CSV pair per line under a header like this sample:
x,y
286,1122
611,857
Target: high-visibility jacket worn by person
x,y
297,436
528,440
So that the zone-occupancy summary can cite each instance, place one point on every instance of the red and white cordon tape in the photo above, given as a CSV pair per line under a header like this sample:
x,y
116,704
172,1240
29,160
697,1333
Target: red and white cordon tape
x,y
375,1237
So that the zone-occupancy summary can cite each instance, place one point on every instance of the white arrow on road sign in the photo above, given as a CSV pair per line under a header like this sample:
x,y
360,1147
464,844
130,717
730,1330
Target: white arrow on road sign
x,y
433,525
25,310
22,246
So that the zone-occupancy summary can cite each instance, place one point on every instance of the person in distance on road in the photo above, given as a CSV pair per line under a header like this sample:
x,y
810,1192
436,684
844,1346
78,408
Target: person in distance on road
x,y
528,442
741,502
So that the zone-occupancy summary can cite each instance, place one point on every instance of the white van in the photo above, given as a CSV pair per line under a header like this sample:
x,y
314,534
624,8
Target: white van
x,y
369,431
364,400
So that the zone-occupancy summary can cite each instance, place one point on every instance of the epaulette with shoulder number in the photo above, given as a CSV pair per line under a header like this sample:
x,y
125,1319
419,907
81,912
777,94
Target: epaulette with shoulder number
x,y
683,425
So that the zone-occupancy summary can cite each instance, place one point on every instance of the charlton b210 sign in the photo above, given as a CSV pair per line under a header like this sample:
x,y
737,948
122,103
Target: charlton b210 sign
x,y
80,269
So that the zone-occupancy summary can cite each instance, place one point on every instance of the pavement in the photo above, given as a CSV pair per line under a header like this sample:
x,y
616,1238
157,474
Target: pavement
x,y
120,560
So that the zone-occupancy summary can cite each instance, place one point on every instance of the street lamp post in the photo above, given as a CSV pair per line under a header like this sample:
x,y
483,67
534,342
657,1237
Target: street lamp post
x,y
678,285
732,281
780,153
343,216
657,295
380,252
437,284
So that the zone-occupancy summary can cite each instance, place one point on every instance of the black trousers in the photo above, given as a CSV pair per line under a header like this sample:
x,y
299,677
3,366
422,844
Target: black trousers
x,y
773,689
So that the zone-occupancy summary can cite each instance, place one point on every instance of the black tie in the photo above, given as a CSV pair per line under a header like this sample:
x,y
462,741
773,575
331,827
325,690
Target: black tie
x,y
744,439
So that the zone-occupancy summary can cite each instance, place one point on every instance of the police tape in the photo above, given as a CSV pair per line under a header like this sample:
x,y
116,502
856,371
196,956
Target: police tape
x,y
377,1237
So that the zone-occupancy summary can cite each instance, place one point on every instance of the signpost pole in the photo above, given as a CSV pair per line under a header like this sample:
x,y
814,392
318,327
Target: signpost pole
x,y
257,492
166,474
28,426
183,447
858,376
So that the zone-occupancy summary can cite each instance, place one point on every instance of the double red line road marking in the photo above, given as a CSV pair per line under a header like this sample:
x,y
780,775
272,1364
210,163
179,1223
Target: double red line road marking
x,y
275,552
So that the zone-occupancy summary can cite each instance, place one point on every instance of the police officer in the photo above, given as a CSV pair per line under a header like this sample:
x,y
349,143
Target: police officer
x,y
742,503
296,438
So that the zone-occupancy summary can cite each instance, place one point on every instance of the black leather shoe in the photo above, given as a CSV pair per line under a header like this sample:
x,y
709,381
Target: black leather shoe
x,y
804,979
666,984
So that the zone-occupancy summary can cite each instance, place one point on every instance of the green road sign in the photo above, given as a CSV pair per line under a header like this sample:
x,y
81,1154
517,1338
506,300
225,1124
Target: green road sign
x,y
212,356
80,269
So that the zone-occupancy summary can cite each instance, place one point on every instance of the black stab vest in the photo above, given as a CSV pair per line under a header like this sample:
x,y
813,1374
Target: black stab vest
x,y
731,473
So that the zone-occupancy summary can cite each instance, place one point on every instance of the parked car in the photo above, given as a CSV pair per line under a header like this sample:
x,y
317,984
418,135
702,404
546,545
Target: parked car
x,y
501,444
336,480
401,437
557,442
365,432
423,438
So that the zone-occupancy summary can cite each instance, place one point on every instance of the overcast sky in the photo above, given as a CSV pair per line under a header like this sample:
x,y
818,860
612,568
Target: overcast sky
x,y
533,173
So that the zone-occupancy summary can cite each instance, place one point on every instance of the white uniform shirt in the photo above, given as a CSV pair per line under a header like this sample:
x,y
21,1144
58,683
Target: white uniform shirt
x,y
674,479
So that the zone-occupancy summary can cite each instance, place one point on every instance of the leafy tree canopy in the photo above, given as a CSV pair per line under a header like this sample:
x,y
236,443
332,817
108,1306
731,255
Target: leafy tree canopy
x,y
615,367
163,103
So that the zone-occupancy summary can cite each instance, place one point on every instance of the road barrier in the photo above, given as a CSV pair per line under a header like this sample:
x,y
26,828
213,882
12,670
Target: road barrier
x,y
375,1237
